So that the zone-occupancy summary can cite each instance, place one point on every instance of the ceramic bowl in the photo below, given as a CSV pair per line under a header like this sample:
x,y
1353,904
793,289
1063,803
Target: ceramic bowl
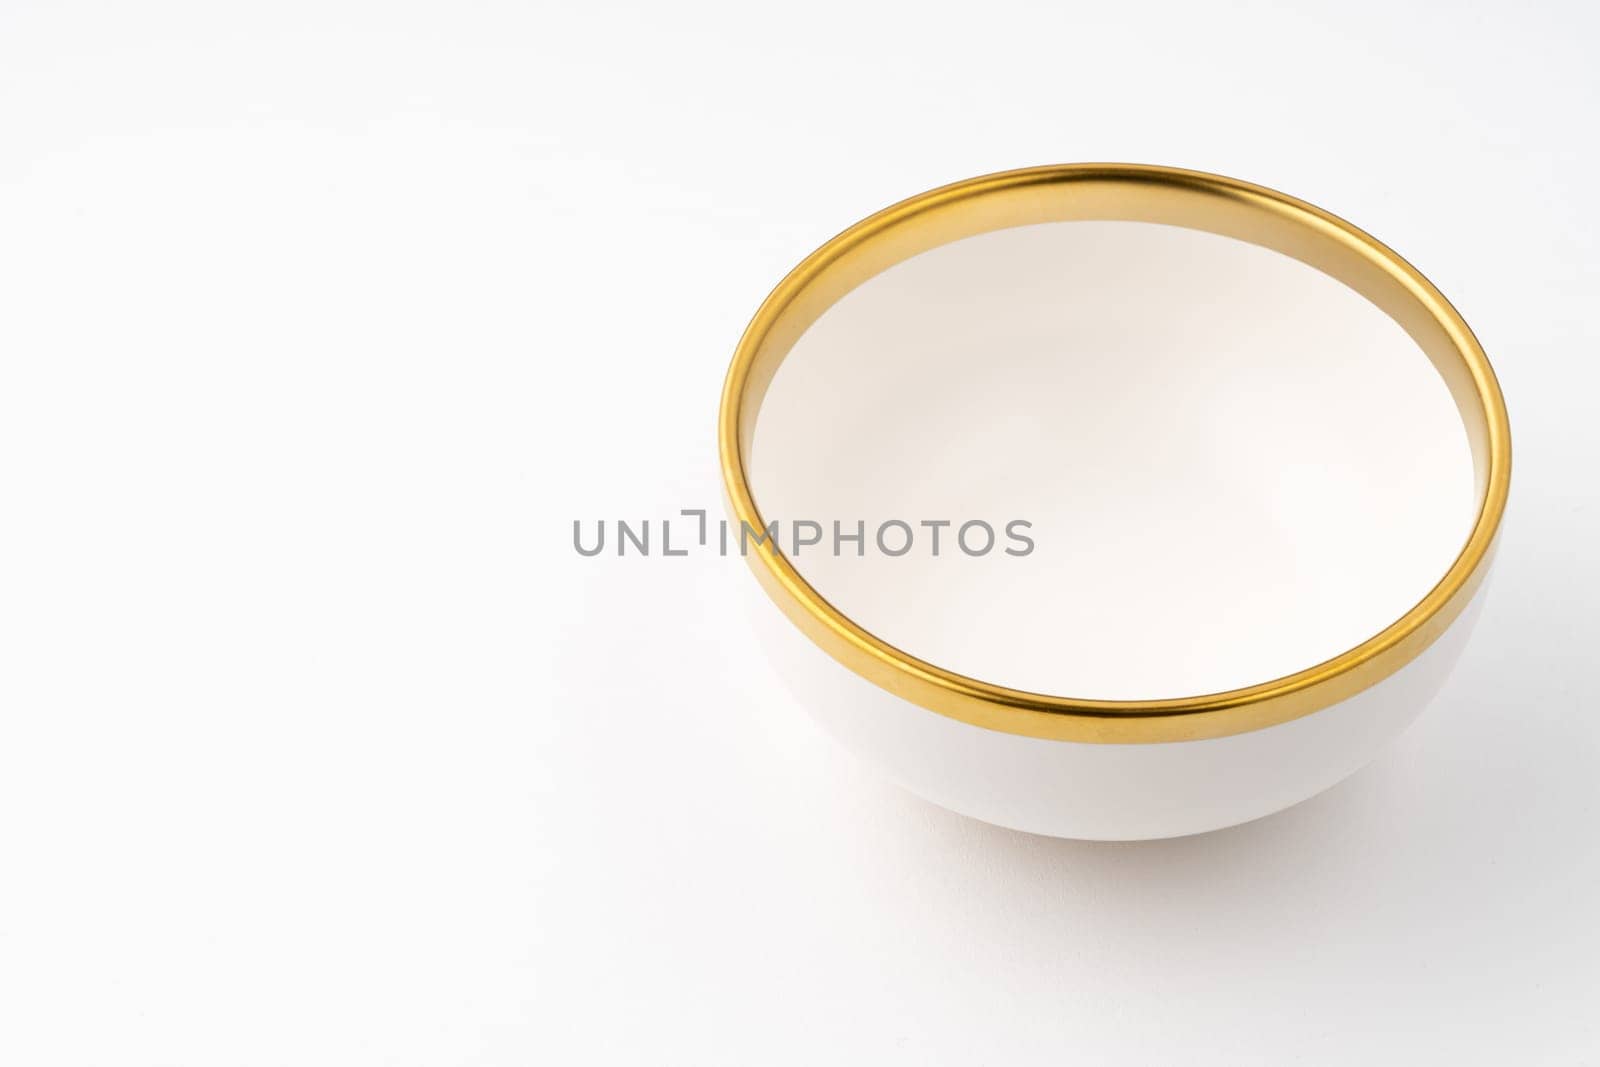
x,y
1102,769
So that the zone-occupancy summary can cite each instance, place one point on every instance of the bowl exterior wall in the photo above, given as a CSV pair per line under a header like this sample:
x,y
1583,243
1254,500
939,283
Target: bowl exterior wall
x,y
1104,792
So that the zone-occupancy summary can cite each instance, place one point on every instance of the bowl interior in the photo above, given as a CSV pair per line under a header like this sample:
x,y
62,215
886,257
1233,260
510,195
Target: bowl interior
x,y
1184,463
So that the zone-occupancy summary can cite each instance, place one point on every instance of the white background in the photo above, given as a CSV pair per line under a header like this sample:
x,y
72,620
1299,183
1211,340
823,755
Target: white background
x,y
318,745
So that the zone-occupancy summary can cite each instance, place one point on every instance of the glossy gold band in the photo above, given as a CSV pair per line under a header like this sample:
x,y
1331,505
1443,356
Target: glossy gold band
x,y
1144,194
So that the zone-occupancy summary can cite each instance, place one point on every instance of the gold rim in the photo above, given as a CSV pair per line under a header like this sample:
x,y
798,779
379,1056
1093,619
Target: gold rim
x,y
1135,193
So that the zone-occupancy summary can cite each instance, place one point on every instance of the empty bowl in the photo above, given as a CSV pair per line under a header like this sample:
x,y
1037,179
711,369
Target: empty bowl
x,y
1098,766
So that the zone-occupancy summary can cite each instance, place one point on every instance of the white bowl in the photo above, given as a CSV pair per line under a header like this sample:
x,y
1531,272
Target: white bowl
x,y
1101,769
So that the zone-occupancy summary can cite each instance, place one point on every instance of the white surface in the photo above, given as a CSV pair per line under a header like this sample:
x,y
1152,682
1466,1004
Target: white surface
x,y
1233,467
318,745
